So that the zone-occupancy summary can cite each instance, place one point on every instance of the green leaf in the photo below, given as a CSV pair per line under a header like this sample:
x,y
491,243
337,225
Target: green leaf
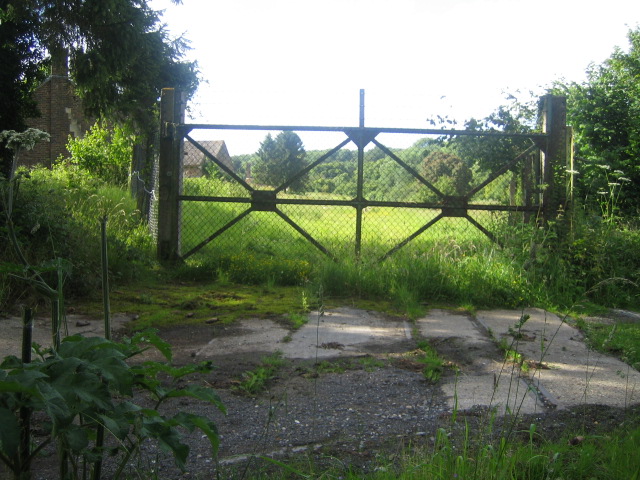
x,y
208,427
153,368
115,424
16,387
55,405
150,336
168,437
76,438
9,433
201,393
10,362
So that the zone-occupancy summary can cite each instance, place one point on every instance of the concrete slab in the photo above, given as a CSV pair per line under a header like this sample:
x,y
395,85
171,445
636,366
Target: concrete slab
x,y
249,336
10,341
482,381
341,332
565,371
347,332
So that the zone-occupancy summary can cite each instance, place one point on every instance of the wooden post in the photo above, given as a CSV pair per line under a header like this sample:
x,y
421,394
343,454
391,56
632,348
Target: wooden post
x,y
169,175
554,156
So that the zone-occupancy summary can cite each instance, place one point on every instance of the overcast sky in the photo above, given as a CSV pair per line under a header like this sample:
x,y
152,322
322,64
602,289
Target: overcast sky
x,y
303,62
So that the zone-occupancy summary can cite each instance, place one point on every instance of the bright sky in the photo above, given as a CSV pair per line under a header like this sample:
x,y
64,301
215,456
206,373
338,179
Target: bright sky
x,y
303,62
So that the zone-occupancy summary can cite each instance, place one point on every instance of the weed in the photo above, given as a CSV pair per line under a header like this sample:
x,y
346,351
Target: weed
x,y
370,363
326,366
297,320
256,380
87,384
433,363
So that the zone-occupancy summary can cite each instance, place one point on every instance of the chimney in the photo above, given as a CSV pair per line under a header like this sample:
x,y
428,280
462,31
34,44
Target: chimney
x,y
59,63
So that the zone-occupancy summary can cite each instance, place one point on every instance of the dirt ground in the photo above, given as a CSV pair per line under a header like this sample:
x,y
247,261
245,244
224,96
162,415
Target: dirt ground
x,y
349,416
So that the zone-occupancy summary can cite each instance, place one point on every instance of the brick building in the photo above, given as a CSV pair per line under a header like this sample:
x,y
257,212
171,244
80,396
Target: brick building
x,y
61,115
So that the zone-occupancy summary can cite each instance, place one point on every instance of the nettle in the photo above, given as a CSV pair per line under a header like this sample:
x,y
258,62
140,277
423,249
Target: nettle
x,y
87,388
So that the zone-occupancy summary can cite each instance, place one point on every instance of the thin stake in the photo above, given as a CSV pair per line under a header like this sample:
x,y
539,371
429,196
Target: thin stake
x,y
105,279
25,411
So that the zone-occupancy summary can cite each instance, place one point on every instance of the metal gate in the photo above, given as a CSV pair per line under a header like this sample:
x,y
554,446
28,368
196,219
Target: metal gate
x,y
540,166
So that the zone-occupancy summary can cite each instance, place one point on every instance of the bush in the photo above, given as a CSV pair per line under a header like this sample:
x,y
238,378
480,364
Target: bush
x,y
104,153
57,214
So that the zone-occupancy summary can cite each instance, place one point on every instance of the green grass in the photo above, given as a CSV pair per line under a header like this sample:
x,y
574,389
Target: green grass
x,y
257,380
604,457
621,340
433,363
446,262
165,301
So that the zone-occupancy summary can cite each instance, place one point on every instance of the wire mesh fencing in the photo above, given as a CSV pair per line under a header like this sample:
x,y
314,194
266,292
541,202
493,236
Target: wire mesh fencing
x,y
368,193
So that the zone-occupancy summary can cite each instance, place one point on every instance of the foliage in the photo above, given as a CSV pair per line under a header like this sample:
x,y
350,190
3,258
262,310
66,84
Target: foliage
x,y
620,339
212,186
256,380
20,71
336,174
433,363
279,160
386,180
88,382
57,213
488,152
447,173
104,153
120,57
605,114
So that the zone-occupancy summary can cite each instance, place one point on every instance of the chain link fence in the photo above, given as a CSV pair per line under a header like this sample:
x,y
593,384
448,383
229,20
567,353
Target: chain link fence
x,y
367,196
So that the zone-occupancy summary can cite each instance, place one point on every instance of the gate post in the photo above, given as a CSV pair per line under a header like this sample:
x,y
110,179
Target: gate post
x,y
169,175
554,155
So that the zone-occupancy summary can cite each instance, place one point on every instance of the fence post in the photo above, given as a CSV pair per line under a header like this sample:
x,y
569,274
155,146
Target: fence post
x,y
360,178
169,175
554,156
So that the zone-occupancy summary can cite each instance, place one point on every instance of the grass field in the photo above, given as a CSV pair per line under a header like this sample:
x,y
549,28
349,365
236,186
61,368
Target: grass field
x,y
334,227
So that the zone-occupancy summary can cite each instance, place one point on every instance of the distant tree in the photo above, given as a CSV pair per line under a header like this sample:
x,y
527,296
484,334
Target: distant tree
x,y
20,72
486,154
491,153
447,172
605,114
280,159
120,58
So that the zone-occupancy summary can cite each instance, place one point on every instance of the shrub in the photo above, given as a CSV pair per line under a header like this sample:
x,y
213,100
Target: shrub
x,y
104,153
57,214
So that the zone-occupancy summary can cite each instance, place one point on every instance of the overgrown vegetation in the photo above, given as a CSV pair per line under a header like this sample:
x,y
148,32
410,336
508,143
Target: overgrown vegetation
x,y
57,214
87,384
528,457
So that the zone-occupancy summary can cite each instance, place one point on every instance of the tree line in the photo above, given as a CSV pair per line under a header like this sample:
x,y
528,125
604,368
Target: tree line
x,y
604,112
121,56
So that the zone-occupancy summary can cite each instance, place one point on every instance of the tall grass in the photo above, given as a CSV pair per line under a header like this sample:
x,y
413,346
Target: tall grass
x,y
450,262
57,214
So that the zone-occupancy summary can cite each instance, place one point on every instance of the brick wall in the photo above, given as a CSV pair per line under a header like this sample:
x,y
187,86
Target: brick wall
x,y
61,115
